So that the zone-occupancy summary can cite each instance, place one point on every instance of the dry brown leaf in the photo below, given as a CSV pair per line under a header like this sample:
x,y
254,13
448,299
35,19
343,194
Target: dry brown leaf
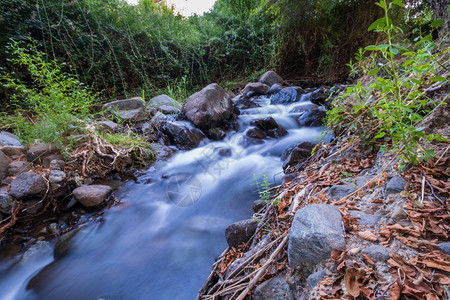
x,y
395,291
351,279
368,258
431,297
368,236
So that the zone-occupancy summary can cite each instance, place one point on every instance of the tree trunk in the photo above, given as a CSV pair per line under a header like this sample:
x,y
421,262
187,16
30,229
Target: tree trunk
x,y
439,8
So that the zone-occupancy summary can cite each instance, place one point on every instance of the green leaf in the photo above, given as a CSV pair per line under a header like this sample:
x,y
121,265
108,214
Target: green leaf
x,y
420,129
371,48
398,3
416,81
438,78
380,135
436,23
381,22
394,51
382,46
374,71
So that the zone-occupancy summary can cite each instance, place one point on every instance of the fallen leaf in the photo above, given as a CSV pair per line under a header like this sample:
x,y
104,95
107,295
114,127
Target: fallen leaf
x,y
351,279
395,291
368,258
368,236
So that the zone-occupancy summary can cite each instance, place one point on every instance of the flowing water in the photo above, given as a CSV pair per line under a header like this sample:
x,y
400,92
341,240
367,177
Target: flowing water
x,y
161,241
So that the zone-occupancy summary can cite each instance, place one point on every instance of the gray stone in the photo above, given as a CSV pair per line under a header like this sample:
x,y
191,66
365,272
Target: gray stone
x,y
17,167
56,176
315,232
240,232
9,139
211,107
135,115
258,205
182,135
270,78
33,207
57,164
303,108
47,160
64,244
255,133
38,152
216,134
254,88
28,185
275,288
15,151
315,278
312,118
395,185
445,247
298,154
275,88
4,163
270,127
6,203
92,195
365,219
285,96
337,192
108,126
377,252
164,104
125,104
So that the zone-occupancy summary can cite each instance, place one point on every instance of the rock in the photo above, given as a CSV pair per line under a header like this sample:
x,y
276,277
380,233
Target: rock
x,y
285,96
315,278
315,232
395,185
64,244
126,104
182,135
255,133
134,115
438,122
298,154
47,160
57,164
33,207
270,127
211,107
319,96
216,134
225,152
240,232
147,128
28,185
445,247
270,78
4,163
245,103
275,88
276,288
303,108
108,126
92,195
365,219
14,151
312,118
288,178
337,192
254,88
258,205
377,252
163,152
56,176
6,203
38,152
17,167
164,104
9,139
398,214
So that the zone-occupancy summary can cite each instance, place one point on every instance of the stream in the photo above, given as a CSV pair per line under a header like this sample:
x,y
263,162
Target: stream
x,y
163,237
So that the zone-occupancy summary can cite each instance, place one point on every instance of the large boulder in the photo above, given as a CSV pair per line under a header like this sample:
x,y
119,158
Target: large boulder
x,y
4,162
108,126
312,118
92,195
270,78
254,88
211,107
18,167
287,95
39,152
182,135
13,151
270,127
298,154
132,109
9,139
28,185
240,232
164,104
276,288
315,232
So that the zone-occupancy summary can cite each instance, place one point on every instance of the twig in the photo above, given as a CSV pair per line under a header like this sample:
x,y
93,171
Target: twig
x,y
433,193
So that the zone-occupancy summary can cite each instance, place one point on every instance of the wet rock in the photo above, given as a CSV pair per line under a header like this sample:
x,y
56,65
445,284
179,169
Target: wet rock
x,y
28,185
57,164
319,96
47,160
275,88
315,278
163,152
17,167
312,118
258,205
303,108
209,108
298,154
125,104
4,163
56,176
225,152
6,203
275,288
336,192
9,139
240,232
64,244
285,96
164,104
13,151
33,207
216,134
183,136
270,78
108,126
315,232
395,185
38,152
288,178
92,195
445,247
254,88
255,133
270,127
365,219
245,103
377,252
